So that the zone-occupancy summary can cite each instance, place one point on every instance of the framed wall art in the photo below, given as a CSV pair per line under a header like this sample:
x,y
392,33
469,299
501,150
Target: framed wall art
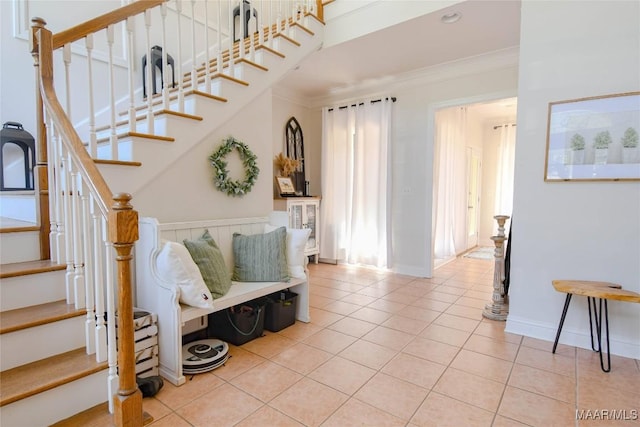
x,y
595,138
285,186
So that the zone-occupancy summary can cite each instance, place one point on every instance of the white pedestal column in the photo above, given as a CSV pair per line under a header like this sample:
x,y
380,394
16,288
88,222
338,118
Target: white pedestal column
x,y
498,308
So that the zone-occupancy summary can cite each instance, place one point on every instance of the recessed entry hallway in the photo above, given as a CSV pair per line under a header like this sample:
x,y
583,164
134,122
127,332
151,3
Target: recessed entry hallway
x,y
389,350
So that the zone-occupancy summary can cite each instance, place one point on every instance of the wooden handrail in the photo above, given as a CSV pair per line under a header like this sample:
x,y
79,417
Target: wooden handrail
x,y
103,21
122,225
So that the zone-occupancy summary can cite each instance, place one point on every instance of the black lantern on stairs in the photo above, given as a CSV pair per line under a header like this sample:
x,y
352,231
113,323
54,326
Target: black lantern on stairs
x,y
17,151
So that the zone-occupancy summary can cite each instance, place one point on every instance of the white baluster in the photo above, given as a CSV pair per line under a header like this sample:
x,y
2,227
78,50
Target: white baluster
x,y
165,64
150,65
66,229
179,59
130,25
207,62
112,376
270,23
113,138
90,319
98,279
55,205
194,74
78,250
243,31
260,23
93,145
66,57
219,38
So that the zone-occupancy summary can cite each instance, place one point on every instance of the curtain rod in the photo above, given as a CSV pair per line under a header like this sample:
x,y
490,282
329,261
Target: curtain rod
x,y
393,99
499,126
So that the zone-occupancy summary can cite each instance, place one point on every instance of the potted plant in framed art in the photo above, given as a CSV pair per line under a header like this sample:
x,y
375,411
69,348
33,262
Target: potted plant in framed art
x,y
577,149
601,147
629,143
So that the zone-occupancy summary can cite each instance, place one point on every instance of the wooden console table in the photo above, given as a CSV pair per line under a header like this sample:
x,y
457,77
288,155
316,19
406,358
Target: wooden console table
x,y
603,291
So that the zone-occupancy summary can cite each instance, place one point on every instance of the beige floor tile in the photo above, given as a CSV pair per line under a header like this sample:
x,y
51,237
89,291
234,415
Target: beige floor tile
x,y
457,322
501,421
155,408
482,365
546,383
302,358
495,329
415,370
240,361
446,335
309,402
443,411
357,413
442,296
388,337
562,349
406,324
371,315
170,420
330,341
445,288
341,307
299,331
491,347
392,395
342,374
266,381
434,351
431,304
370,291
317,301
601,395
483,295
368,354
358,299
346,286
469,388
399,297
419,313
196,385
412,292
472,302
387,306
536,410
225,405
268,345
267,416
464,311
323,318
544,359
354,327
334,294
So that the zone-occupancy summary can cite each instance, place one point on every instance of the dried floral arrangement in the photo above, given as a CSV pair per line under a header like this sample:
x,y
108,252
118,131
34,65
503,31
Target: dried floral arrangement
x,y
286,165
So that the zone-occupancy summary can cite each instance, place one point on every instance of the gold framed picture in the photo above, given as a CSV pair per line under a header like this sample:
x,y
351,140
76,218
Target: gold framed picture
x,y
285,186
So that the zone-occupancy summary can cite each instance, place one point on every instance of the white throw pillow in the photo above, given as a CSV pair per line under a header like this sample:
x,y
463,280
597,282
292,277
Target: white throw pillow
x,y
175,265
296,242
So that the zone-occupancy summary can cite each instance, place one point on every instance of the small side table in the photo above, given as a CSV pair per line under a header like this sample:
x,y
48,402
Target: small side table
x,y
603,291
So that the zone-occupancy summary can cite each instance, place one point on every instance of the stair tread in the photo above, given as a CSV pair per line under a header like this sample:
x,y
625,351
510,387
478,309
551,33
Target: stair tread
x,y
36,377
27,317
29,267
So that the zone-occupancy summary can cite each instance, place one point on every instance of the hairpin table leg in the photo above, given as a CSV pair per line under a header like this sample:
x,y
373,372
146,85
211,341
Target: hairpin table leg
x,y
564,314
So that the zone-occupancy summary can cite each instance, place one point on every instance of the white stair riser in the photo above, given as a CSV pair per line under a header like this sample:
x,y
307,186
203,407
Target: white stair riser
x,y
18,206
57,404
32,289
28,345
20,246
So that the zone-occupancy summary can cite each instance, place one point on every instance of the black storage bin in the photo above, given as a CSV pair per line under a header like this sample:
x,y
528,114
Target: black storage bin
x,y
238,324
280,310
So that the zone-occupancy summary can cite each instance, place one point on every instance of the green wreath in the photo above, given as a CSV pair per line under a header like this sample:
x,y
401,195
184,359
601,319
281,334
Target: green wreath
x,y
221,177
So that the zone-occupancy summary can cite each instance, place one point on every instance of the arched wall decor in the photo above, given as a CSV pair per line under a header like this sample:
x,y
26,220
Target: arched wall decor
x,y
294,142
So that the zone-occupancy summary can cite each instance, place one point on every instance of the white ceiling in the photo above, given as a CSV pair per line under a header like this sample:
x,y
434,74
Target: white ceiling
x,y
422,42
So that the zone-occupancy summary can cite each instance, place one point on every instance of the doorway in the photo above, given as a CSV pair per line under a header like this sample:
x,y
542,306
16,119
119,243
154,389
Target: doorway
x,y
473,158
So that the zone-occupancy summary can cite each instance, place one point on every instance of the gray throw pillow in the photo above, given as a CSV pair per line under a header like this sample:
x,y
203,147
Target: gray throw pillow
x,y
208,257
260,257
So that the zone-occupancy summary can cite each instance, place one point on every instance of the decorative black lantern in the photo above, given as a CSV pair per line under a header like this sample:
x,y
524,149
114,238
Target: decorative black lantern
x,y
16,146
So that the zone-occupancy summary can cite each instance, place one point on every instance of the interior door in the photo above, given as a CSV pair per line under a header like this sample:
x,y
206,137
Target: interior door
x,y
473,197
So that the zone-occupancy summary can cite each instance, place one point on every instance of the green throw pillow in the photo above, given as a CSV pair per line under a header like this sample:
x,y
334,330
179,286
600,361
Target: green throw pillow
x,y
260,257
208,257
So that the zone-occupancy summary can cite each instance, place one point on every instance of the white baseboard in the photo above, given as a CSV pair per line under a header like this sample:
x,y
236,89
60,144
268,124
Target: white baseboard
x,y
569,336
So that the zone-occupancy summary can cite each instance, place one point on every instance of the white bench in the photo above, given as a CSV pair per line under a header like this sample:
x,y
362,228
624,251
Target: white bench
x,y
156,295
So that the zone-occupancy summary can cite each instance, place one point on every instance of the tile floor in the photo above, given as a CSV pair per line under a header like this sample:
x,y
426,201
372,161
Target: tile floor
x,y
390,350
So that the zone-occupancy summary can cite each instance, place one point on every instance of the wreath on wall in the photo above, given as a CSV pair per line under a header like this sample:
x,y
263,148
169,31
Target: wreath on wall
x,y
221,175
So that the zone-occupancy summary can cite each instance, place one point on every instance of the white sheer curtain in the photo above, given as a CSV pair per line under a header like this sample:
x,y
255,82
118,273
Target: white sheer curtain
x,y
356,184
504,173
450,172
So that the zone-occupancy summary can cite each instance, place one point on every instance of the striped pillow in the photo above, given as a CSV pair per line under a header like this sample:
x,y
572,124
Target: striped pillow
x,y
260,257
208,257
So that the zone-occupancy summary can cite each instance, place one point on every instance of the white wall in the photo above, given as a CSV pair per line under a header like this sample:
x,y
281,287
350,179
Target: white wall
x,y
187,189
573,230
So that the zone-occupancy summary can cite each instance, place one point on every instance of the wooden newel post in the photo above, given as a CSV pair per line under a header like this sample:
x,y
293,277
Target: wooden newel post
x,y
40,172
123,232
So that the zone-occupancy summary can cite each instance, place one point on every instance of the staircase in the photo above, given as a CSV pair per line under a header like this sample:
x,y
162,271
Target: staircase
x,y
55,354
